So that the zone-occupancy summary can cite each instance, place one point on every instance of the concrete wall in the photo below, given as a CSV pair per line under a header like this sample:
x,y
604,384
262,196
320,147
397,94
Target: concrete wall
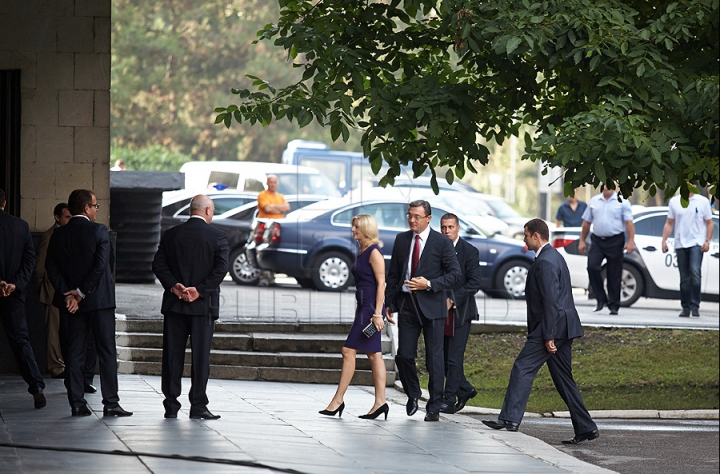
x,y
62,48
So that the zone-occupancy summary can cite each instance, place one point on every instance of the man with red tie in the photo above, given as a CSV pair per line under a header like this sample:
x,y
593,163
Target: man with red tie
x,y
423,269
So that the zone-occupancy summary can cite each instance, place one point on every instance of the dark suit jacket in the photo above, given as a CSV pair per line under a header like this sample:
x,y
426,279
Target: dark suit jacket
x,y
551,312
78,257
438,263
194,254
17,253
464,291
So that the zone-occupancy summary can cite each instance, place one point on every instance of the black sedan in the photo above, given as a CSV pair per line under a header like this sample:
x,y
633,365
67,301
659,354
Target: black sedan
x,y
314,245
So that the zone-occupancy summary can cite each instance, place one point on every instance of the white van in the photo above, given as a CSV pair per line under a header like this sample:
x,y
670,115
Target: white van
x,y
252,176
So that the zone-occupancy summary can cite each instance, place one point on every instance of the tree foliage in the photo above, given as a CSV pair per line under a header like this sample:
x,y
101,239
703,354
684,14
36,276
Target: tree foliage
x,y
173,60
623,90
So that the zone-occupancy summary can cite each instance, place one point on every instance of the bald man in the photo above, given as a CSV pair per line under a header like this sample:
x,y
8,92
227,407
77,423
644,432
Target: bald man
x,y
190,263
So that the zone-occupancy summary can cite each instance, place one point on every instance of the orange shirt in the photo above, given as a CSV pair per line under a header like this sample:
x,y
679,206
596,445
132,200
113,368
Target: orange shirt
x,y
265,198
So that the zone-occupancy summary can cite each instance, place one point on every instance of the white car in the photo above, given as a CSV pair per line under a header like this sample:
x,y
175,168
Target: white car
x,y
648,271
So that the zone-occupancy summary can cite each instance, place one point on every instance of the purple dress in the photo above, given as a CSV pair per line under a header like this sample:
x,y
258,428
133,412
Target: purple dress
x,y
366,290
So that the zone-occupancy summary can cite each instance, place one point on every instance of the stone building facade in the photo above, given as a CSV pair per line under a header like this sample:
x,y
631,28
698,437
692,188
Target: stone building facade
x,y
61,50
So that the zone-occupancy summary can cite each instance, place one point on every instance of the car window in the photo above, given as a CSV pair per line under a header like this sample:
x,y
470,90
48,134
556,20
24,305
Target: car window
x,y
244,215
171,209
651,225
252,184
387,215
224,204
229,180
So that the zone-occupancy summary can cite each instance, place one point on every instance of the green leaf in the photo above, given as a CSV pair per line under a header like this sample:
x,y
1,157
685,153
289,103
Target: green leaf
x,y
641,70
512,44
600,171
449,176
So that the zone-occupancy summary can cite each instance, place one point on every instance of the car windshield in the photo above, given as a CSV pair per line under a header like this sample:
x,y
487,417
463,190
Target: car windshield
x,y
502,209
306,183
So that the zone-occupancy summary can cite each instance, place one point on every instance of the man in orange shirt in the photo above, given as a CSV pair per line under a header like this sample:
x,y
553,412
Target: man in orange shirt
x,y
271,205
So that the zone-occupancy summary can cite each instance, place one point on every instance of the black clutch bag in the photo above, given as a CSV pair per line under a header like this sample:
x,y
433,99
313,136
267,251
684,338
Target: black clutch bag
x,y
370,329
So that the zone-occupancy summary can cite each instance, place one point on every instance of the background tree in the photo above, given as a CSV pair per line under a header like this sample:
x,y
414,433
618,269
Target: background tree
x,y
622,90
171,61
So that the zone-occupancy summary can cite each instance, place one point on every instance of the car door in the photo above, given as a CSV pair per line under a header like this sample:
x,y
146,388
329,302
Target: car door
x,y
662,267
711,264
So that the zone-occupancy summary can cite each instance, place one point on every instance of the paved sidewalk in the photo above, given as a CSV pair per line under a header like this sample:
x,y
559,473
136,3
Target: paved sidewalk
x,y
265,427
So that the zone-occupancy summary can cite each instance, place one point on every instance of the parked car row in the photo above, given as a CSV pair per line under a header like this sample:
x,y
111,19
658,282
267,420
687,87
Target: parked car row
x,y
648,271
314,245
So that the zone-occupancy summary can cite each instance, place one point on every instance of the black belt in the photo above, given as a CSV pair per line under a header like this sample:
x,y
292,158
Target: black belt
x,y
608,238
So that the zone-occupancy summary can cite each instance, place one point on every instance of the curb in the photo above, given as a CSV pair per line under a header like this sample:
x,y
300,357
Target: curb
x,y
599,414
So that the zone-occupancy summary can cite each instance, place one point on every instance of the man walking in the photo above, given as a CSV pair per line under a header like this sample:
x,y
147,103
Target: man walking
x,y
17,258
553,323
190,263
570,213
462,309
610,218
78,266
271,205
423,268
693,231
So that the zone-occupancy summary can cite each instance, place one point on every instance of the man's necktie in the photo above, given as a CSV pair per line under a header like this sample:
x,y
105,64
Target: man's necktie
x,y
415,256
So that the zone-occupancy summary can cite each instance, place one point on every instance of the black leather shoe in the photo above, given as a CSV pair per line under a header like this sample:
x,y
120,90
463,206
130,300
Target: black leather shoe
x,y
613,312
39,398
117,411
432,416
599,307
500,424
90,388
81,411
462,401
411,407
204,415
582,437
447,409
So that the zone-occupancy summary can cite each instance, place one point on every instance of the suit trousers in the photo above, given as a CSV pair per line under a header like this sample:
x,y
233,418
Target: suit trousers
x,y
176,329
77,329
411,322
456,385
12,315
610,249
532,356
91,356
55,363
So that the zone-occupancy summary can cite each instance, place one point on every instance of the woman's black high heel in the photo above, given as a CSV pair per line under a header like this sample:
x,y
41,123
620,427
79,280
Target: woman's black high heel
x,y
371,416
332,413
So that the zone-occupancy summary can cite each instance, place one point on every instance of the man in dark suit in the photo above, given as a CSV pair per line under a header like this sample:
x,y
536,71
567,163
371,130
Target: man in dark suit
x,y
462,309
422,270
78,266
190,263
17,259
553,323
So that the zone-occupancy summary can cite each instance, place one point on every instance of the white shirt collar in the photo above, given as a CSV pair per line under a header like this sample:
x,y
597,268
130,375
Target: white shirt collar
x,y
198,217
81,215
424,234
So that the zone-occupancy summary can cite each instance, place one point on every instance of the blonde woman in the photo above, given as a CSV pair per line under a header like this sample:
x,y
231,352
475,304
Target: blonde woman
x,y
369,273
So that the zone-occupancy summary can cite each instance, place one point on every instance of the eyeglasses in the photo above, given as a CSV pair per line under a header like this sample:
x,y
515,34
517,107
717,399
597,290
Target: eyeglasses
x,y
414,217
96,206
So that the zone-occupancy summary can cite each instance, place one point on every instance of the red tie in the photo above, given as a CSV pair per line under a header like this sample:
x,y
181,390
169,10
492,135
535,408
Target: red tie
x,y
415,256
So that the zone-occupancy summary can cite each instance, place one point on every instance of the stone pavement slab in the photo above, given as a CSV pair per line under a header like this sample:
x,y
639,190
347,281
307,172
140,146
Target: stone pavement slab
x,y
265,427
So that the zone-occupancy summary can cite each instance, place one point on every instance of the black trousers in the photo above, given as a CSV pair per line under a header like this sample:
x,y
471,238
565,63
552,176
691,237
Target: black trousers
x,y
611,249
532,356
411,322
90,351
456,385
12,315
176,329
76,330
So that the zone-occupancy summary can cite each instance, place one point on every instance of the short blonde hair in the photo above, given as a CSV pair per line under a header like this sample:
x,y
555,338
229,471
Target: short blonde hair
x,y
368,226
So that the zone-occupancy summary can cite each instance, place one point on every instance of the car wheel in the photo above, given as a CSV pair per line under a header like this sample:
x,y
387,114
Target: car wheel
x,y
632,285
241,271
331,272
510,279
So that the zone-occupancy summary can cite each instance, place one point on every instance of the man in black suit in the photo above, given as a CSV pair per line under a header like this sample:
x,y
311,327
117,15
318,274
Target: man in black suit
x,y
190,263
423,268
462,309
553,323
78,266
17,259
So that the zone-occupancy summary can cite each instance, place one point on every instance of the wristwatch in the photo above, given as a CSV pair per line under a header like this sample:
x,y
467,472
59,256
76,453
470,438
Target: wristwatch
x,y
429,286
